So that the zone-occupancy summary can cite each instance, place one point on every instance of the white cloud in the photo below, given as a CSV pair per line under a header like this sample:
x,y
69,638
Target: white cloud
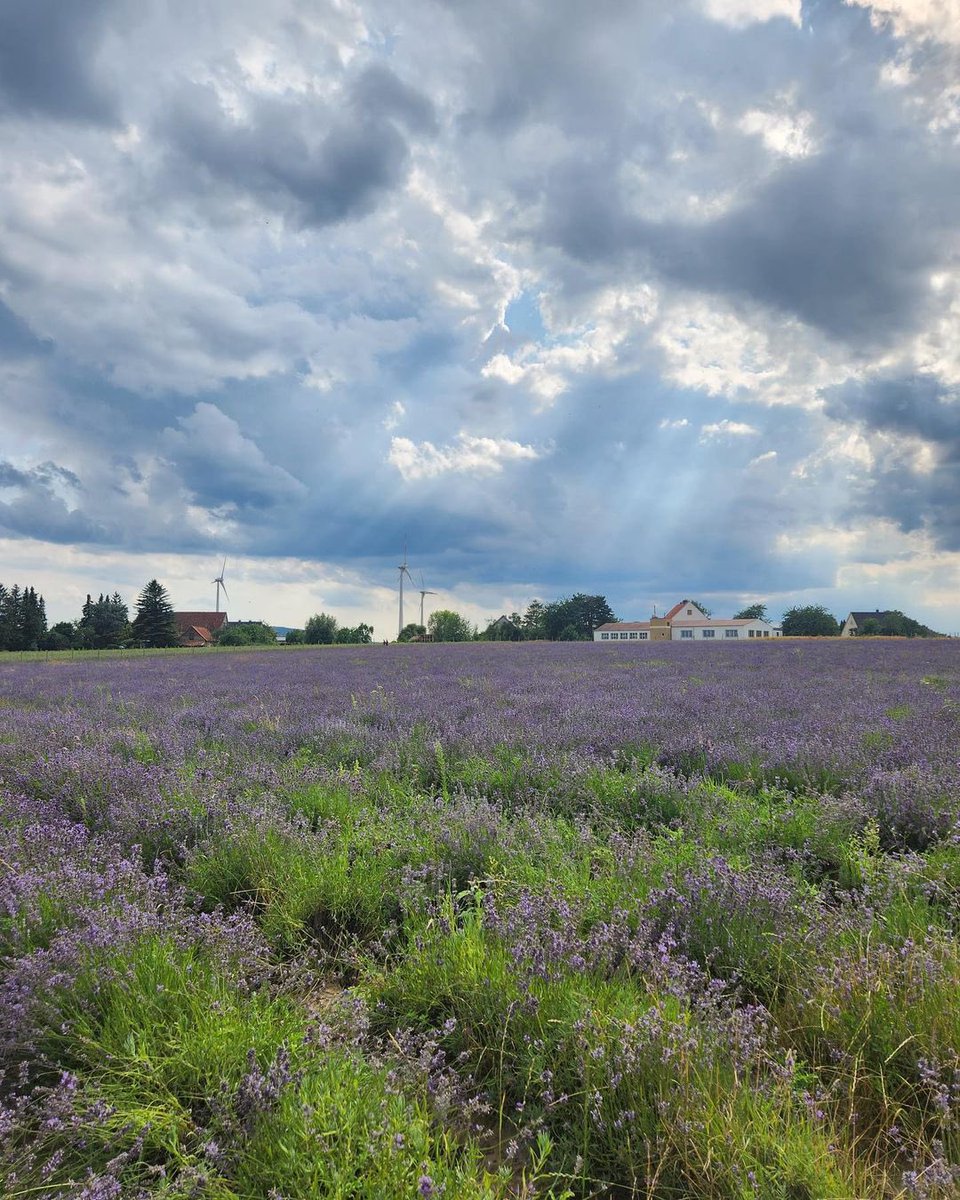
x,y
469,455
938,19
726,428
745,12
789,135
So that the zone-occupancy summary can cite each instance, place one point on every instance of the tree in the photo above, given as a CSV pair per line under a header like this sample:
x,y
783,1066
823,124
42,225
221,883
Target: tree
x,y
894,624
534,619
13,619
753,612
249,633
320,630
34,620
62,636
104,625
447,626
411,631
811,620
585,613
154,624
294,637
361,635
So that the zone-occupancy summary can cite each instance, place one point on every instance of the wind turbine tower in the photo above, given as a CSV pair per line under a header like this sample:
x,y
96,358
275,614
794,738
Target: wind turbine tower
x,y
220,584
423,592
404,570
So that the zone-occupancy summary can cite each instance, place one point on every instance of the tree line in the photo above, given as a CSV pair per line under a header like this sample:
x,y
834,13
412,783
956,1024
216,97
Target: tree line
x,y
105,623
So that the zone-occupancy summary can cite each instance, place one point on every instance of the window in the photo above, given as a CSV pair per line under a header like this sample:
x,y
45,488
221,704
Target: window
x,y
709,633
731,633
686,633
642,637
624,636
766,633
749,633
689,612
604,636
633,637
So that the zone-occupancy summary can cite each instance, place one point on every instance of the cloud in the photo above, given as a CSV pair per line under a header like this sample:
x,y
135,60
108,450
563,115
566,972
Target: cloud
x,y
319,162
42,502
911,428
51,59
469,455
242,254
726,429
745,12
221,466
938,19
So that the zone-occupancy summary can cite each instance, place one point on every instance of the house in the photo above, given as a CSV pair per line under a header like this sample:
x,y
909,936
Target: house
x,y
198,628
856,622
685,622
503,630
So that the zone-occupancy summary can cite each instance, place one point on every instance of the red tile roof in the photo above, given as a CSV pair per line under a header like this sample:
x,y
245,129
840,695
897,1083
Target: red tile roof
x,y
199,620
196,635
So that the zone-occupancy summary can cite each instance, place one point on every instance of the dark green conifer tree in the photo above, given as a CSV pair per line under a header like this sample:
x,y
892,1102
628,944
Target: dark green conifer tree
x,y
154,624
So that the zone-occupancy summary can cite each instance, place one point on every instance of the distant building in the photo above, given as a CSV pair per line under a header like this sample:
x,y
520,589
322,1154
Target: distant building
x,y
198,628
856,622
685,622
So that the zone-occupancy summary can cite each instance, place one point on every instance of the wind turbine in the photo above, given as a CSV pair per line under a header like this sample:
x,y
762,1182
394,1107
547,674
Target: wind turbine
x,y
423,592
220,584
404,570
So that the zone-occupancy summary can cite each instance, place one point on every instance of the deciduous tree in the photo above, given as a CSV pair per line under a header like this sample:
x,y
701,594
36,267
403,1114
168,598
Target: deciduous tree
x,y
810,620
447,626
584,613
753,612
320,630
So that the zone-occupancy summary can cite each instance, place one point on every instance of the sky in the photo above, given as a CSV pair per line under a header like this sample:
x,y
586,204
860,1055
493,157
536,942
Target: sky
x,y
653,300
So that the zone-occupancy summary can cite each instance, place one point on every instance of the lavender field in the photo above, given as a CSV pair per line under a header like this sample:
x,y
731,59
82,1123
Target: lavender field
x,y
485,920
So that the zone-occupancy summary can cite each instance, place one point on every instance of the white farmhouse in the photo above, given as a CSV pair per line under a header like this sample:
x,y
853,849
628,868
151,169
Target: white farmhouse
x,y
685,622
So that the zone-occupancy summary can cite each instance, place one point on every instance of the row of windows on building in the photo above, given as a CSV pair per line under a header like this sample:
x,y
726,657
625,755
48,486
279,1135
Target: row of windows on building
x,y
684,633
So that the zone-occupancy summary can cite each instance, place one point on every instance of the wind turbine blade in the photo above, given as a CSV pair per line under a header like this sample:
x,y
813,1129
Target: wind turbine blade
x,y
225,592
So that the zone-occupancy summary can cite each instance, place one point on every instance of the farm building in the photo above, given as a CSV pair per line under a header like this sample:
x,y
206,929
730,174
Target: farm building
x,y
198,628
857,623
684,622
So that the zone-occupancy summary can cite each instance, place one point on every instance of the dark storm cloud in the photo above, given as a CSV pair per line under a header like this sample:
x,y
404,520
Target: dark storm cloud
x,y
915,498
49,59
919,406
836,240
31,505
844,240
220,465
323,164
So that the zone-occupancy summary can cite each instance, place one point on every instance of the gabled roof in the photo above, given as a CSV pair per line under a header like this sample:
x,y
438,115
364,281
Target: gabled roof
x,y
210,621
624,625
876,615
196,635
